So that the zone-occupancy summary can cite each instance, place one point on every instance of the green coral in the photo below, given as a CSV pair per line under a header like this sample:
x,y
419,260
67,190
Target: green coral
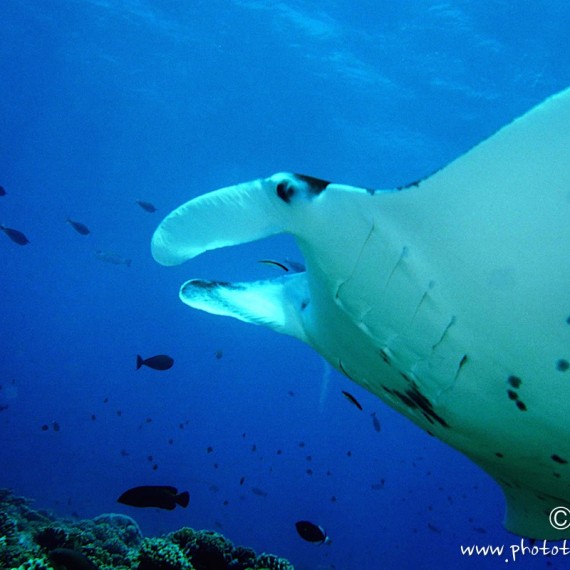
x,y
272,562
35,564
115,542
162,554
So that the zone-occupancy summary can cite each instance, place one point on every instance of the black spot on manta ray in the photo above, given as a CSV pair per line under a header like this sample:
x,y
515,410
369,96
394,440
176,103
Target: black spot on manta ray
x,y
558,459
512,395
414,400
562,365
286,189
499,455
316,185
521,406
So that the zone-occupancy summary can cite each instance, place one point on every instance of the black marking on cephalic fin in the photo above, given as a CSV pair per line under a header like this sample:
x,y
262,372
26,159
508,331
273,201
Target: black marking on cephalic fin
x,y
316,185
287,188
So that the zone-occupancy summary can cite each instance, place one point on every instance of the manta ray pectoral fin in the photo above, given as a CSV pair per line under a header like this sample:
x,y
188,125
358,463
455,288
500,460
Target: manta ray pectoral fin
x,y
278,303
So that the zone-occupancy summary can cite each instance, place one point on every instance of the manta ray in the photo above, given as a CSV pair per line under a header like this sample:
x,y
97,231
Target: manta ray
x,y
448,298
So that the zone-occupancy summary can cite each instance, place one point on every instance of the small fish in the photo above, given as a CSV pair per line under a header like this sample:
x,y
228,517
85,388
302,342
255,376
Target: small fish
x,y
242,480
70,559
434,528
2,191
352,399
286,265
375,422
146,206
79,227
259,492
158,362
55,426
311,532
4,407
159,496
15,235
113,258
377,486
219,354
275,263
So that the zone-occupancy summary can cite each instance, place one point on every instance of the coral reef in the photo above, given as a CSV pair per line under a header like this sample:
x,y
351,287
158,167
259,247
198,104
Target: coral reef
x,y
115,542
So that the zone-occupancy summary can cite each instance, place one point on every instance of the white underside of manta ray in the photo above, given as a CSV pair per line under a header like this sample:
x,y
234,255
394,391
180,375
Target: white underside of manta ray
x,y
449,299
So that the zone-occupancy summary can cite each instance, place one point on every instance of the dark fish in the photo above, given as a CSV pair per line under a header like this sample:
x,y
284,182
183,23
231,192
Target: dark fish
x,y
15,235
259,492
158,362
311,532
71,559
242,480
273,262
5,407
375,422
2,191
286,265
147,206
218,354
113,258
162,497
352,399
434,528
78,227
377,486
55,426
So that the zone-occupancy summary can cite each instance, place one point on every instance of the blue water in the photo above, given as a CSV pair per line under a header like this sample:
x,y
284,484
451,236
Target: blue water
x,y
104,102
